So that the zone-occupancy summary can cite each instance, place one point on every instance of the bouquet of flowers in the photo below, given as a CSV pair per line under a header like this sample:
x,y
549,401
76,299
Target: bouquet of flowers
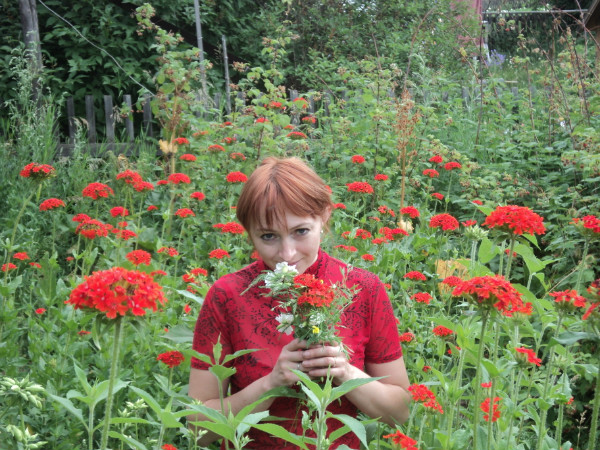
x,y
308,307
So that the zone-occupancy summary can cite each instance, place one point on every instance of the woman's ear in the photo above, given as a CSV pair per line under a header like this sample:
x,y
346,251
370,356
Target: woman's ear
x,y
326,215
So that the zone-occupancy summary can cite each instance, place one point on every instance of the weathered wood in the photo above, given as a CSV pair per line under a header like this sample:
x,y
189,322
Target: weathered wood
x,y
227,80
90,116
71,119
110,119
128,121
147,116
295,119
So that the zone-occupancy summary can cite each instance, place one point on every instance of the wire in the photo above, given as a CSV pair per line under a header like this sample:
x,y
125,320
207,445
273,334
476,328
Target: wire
x,y
96,46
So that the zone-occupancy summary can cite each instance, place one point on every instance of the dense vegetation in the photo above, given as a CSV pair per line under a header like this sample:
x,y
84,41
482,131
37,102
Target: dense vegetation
x,y
466,136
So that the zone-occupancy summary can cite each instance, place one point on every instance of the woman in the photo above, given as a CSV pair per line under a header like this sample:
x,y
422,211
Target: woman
x,y
285,207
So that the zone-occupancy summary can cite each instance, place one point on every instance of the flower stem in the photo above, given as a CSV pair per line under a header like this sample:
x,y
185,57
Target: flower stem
x,y
513,239
586,247
484,321
111,380
595,410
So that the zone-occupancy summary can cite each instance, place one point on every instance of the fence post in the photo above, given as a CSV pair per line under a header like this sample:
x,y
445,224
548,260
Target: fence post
x,y
147,116
71,119
90,116
293,96
227,81
128,121
110,119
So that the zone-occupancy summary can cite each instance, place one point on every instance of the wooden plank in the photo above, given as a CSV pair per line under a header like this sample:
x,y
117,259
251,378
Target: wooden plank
x,y
71,119
110,119
147,116
128,121
227,80
90,116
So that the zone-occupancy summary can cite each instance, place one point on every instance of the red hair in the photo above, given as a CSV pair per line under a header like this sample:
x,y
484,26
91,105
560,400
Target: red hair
x,y
280,185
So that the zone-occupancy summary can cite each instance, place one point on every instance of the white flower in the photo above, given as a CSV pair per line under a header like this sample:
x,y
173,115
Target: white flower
x,y
285,323
283,267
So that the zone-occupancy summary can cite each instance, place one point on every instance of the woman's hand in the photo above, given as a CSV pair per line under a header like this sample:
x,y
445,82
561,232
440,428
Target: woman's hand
x,y
290,358
321,359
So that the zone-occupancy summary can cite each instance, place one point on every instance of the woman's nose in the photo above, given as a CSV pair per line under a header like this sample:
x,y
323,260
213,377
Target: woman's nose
x,y
287,250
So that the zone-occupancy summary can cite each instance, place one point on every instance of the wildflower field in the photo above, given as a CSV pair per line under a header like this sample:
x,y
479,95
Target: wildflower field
x,y
479,212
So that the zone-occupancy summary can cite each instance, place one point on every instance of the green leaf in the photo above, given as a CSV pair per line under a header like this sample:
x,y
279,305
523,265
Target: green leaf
x,y
222,429
347,386
487,251
191,296
148,399
354,425
570,337
68,405
238,354
119,420
280,432
222,372
180,333
128,440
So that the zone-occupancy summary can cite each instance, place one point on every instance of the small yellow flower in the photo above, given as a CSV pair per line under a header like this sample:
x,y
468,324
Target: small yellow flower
x,y
315,329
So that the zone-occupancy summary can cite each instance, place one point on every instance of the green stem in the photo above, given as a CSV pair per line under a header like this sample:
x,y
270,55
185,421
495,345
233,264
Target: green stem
x,y
473,256
595,410
91,428
111,380
493,392
14,232
484,321
457,383
515,390
513,240
586,247
558,435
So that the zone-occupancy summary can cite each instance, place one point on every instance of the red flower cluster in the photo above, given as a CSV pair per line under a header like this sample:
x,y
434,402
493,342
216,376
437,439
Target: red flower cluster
x,y
407,337
381,177
530,354
171,359
485,407
421,393
415,275
37,171
236,177
230,227
92,228
198,196
22,256
348,248
442,331
168,447
589,226
181,141
188,157
515,220
261,120
357,159
410,211
363,234
237,155
490,292
309,120
51,203
568,300
143,186
452,165
177,178
392,233
119,211
368,257
130,177
431,173
216,148
452,281
444,221
296,135
97,190
469,223
302,102
228,140
118,291
339,206
8,266
386,210
437,159
184,212
218,254
403,440
169,251
360,186
316,293
138,257
437,195
422,297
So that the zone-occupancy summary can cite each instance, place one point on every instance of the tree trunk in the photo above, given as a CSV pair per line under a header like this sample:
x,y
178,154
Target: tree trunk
x,y
31,37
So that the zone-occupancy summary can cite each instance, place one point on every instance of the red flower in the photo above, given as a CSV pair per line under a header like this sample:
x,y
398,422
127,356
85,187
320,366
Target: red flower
x,y
138,257
531,356
130,177
261,120
585,316
21,256
392,233
187,309
236,177
386,210
309,119
8,266
37,171
168,447
40,311
80,217
93,228
96,190
83,333
216,148
515,220
339,206
169,251
437,195
410,211
490,292
442,331
275,105
226,124
485,407
51,203
171,359
228,140
348,248
452,281
156,273
426,369
381,177
188,157
317,293
237,155
198,196
407,337
143,186
124,234
184,212
230,227
368,257
452,165
219,253
35,265
568,300
181,141
431,173
162,182
422,297
437,159
445,221
302,102
588,226
119,211
405,442
117,291
177,178
296,135
199,271
415,275
477,202
363,234
360,186
486,385
469,223
357,159
152,208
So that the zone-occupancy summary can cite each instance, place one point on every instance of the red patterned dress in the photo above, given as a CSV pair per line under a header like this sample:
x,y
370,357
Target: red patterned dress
x,y
368,328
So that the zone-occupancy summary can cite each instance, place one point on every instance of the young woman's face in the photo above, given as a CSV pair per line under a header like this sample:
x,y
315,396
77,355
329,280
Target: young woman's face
x,y
296,241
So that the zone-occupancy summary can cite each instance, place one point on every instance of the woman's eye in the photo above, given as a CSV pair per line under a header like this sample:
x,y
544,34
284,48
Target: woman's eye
x,y
267,237
302,231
